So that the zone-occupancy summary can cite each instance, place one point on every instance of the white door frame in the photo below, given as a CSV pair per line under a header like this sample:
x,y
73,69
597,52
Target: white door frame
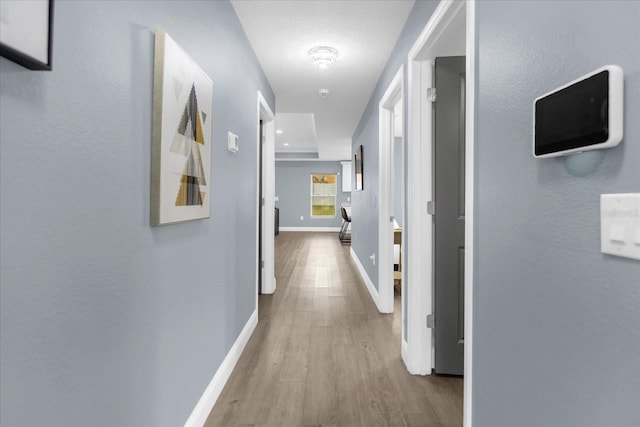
x,y
391,97
268,193
419,356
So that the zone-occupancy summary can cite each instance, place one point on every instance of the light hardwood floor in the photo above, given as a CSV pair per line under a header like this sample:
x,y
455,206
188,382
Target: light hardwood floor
x,y
323,355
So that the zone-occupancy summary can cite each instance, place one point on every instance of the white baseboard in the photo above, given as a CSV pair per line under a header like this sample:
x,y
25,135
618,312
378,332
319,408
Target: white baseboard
x,y
366,279
269,288
312,229
405,355
204,406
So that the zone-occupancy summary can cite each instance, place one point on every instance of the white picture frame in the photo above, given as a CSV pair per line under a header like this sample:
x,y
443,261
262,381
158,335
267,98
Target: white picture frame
x,y
181,147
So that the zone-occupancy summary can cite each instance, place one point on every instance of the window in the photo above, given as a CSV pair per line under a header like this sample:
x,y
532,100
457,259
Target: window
x,y
323,195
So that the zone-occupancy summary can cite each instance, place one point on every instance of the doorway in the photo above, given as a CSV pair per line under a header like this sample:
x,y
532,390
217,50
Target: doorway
x,y
261,145
265,218
449,32
387,223
397,192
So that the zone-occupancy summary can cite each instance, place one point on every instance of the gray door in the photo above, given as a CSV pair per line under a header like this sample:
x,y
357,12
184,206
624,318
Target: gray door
x,y
449,215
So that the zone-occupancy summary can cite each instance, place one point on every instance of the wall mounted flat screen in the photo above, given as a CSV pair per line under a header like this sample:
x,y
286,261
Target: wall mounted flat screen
x,y
585,114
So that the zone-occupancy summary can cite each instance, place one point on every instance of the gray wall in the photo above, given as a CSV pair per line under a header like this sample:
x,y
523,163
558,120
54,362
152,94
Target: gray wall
x,y
365,203
557,323
293,189
104,320
364,240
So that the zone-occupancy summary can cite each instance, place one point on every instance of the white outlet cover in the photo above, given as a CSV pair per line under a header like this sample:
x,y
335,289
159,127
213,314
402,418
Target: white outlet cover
x,y
620,225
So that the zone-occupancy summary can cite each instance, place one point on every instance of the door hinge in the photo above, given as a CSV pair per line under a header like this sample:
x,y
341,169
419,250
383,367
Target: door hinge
x,y
262,264
432,94
392,218
431,207
262,201
430,321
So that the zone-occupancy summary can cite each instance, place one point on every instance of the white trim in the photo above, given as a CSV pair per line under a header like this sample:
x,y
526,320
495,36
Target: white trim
x,y
469,232
417,253
419,357
393,94
204,406
365,278
302,159
312,229
405,350
268,192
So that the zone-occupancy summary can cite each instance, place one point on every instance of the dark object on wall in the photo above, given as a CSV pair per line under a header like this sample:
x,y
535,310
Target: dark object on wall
x,y
26,31
358,168
585,114
277,221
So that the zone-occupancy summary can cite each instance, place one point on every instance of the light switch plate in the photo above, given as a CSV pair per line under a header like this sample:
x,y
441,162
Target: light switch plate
x,y
620,225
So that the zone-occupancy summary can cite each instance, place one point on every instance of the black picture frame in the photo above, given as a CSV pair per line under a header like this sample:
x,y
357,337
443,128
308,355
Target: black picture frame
x,y
358,169
14,53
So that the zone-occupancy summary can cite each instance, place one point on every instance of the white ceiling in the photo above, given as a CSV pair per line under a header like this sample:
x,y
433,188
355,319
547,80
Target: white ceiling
x,y
300,135
281,32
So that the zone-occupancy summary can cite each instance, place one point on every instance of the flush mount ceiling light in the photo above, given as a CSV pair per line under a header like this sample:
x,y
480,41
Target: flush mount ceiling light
x,y
278,131
323,56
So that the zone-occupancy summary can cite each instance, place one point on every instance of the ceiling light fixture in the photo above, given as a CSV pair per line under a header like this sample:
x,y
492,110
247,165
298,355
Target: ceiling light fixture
x,y
278,131
323,56
286,144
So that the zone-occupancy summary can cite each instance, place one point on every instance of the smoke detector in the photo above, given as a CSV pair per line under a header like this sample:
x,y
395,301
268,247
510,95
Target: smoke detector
x,y
324,92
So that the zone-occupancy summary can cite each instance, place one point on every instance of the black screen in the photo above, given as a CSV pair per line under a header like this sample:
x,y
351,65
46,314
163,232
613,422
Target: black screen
x,y
573,117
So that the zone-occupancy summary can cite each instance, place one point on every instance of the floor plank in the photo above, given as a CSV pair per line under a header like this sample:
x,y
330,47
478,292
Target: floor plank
x,y
322,355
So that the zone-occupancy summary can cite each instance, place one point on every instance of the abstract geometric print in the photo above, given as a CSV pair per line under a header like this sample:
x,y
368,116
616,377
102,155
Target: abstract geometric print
x,y
185,142
181,186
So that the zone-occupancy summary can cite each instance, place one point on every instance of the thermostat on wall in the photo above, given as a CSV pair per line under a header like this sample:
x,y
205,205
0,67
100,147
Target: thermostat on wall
x,y
232,142
585,114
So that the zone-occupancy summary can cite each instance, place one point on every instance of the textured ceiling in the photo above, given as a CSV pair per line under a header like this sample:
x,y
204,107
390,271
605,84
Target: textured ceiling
x,y
282,32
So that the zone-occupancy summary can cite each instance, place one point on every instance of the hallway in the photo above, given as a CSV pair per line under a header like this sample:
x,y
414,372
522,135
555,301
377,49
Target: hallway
x,y
323,355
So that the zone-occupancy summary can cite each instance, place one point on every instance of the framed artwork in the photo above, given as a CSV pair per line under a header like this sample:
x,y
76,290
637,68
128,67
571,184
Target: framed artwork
x,y
358,168
181,152
26,29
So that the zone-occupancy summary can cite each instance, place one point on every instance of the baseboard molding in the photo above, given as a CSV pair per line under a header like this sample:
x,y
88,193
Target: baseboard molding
x,y
269,288
312,229
204,406
405,355
366,279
